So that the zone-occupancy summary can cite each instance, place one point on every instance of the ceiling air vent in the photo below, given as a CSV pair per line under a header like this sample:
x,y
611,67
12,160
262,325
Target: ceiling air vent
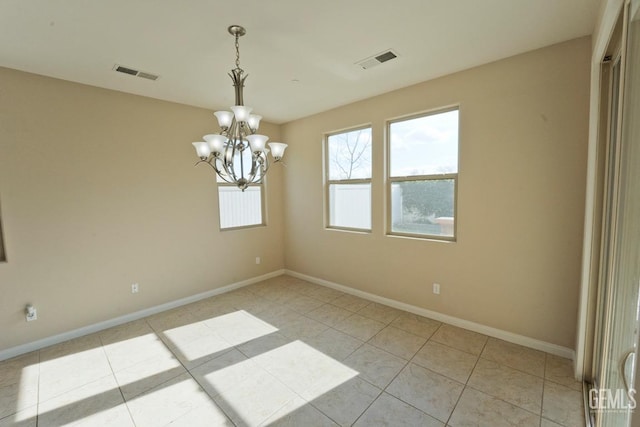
x,y
131,71
378,59
147,75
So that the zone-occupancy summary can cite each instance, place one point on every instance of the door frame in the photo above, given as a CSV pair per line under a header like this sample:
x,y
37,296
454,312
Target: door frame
x,y
591,241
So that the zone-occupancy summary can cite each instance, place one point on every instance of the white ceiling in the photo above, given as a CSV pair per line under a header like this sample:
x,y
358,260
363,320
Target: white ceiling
x,y
300,55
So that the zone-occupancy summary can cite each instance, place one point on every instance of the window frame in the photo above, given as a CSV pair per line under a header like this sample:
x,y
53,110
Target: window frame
x,y
328,182
390,180
263,205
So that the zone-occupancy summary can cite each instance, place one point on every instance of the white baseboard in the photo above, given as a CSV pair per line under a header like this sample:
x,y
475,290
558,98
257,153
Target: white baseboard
x,y
86,330
455,321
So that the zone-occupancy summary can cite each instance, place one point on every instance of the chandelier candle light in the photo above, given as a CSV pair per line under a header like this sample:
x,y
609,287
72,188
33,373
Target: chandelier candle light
x,y
226,152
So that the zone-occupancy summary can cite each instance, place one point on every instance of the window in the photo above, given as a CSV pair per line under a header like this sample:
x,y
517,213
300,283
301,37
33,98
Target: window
x,y
348,175
423,175
238,208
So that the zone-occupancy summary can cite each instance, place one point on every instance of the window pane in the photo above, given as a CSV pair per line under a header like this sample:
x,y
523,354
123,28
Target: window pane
x,y
349,155
423,207
237,208
425,145
350,206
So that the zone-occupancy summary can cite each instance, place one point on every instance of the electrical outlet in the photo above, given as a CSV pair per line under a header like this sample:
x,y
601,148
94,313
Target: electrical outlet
x,y
258,260
436,288
31,313
135,288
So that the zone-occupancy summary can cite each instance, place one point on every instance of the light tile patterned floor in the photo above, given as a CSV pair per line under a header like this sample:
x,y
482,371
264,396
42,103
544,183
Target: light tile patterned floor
x,y
286,352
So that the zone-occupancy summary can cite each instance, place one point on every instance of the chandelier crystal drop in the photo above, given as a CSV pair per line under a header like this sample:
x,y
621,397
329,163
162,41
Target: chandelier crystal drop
x,y
237,153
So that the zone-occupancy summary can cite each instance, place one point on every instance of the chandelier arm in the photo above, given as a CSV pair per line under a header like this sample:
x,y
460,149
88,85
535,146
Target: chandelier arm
x,y
258,162
213,166
227,161
203,161
219,172
229,151
241,166
266,166
253,173
238,79
208,162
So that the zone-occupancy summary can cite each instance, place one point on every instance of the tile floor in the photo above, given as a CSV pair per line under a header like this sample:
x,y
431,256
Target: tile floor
x,y
286,352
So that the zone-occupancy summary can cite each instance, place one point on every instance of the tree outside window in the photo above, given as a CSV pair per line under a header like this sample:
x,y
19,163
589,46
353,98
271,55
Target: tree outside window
x,y
348,163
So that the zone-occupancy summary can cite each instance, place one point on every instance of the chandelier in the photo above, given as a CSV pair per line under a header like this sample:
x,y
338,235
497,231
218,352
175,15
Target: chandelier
x,y
237,154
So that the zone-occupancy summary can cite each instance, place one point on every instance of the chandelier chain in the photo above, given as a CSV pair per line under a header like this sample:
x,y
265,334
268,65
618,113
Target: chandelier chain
x,y
237,52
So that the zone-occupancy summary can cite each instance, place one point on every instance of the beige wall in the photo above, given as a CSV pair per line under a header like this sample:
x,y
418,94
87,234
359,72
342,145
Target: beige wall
x,y
523,149
98,191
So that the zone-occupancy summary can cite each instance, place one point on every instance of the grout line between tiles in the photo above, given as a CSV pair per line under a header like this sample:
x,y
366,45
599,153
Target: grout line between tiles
x,y
466,383
368,406
115,379
38,393
502,400
544,383
410,404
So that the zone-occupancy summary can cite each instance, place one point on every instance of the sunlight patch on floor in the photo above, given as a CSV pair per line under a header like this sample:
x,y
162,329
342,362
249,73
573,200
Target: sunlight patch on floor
x,y
174,400
251,390
77,387
239,327
27,391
